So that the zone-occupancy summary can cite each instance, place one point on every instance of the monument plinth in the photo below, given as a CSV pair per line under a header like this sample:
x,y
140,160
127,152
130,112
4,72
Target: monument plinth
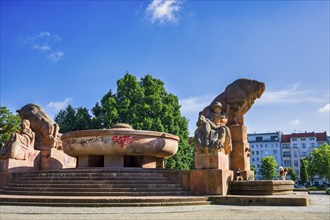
x,y
221,144
240,156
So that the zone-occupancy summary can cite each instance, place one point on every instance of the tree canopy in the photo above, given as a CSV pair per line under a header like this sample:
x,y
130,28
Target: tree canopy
x,y
319,162
145,105
303,171
268,168
9,124
72,119
293,174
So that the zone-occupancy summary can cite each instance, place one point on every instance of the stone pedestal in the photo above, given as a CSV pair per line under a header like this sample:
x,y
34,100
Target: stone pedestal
x,y
239,157
215,160
31,163
261,187
114,160
60,160
210,182
45,163
151,162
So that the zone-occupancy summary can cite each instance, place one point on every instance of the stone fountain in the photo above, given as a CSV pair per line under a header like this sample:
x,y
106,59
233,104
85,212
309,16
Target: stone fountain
x,y
120,146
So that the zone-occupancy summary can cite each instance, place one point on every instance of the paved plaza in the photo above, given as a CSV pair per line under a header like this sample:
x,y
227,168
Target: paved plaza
x,y
319,208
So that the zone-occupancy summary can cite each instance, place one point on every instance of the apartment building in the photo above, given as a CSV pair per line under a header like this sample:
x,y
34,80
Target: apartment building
x,y
262,145
287,149
297,146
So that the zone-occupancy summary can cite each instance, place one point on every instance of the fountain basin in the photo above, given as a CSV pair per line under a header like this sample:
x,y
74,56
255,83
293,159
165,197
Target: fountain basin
x,y
120,146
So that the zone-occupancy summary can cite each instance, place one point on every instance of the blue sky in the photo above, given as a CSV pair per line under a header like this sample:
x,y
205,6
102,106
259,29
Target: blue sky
x,y
58,52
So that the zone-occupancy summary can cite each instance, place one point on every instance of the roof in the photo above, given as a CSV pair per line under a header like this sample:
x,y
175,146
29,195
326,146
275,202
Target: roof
x,y
285,138
319,136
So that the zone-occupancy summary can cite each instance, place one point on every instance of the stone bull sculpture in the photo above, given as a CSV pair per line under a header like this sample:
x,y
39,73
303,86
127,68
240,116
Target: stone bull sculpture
x,y
225,110
237,99
46,130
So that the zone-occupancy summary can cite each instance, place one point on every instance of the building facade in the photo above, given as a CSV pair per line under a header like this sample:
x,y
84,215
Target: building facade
x,y
298,146
287,149
262,145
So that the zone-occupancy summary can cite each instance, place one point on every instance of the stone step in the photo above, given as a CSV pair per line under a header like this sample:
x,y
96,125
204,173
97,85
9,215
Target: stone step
x,y
164,203
87,193
82,178
103,181
93,185
97,187
101,201
103,189
101,174
100,170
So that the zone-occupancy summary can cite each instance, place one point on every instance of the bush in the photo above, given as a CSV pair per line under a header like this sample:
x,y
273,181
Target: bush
x,y
327,190
313,188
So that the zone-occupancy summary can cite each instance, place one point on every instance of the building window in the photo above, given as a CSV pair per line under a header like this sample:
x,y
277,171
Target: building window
x,y
261,152
303,145
303,139
266,152
304,154
258,138
257,152
295,145
258,165
257,158
295,163
295,155
253,159
252,146
274,151
312,144
287,163
274,138
286,154
312,139
266,146
261,145
294,139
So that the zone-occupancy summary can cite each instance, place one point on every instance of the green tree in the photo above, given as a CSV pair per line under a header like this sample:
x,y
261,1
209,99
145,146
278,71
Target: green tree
x,y
71,119
268,168
9,124
293,174
319,162
66,119
105,112
145,105
303,172
253,168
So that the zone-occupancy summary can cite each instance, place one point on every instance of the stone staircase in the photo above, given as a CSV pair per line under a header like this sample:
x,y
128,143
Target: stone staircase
x,y
97,187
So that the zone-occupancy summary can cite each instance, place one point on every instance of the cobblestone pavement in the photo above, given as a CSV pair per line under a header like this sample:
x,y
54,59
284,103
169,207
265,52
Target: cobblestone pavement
x,y
319,208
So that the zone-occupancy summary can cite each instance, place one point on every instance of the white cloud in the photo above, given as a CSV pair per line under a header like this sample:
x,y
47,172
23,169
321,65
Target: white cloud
x,y
325,108
292,94
163,11
44,41
295,122
41,47
195,104
56,56
57,106
42,38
